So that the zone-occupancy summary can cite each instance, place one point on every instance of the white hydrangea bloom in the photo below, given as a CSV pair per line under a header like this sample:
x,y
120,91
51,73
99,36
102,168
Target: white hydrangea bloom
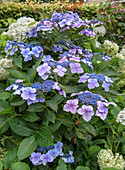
x,y
122,52
17,30
5,63
115,47
121,117
108,44
106,158
99,31
97,44
123,47
112,48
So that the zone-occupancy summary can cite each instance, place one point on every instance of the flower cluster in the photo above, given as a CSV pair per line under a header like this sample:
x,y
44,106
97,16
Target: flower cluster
x,y
48,154
121,117
99,30
27,50
106,158
5,63
112,48
95,79
87,32
17,31
89,100
30,93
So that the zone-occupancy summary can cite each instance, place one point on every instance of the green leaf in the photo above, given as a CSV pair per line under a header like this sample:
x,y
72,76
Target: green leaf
x,y
67,121
102,66
9,144
89,128
82,168
44,137
3,124
51,116
121,128
86,68
18,61
52,104
62,165
33,71
10,158
30,116
53,127
20,127
1,165
18,74
36,107
4,95
94,149
5,108
115,111
20,166
18,103
26,148
79,134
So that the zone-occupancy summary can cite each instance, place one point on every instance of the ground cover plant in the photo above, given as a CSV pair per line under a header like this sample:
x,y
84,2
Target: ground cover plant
x,y
60,107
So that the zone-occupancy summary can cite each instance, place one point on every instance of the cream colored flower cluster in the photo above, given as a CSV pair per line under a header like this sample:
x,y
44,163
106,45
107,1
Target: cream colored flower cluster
x,y
112,48
121,117
99,30
106,158
17,30
5,63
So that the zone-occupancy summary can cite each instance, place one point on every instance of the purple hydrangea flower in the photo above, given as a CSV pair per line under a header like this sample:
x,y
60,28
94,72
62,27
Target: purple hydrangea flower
x,y
35,158
88,32
26,54
14,49
42,69
28,93
76,68
71,106
46,158
62,92
92,83
47,58
83,78
53,152
102,109
58,147
106,85
60,70
87,112
8,47
41,100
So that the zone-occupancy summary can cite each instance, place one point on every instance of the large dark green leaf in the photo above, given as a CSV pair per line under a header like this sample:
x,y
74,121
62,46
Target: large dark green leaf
x,y
30,116
1,165
10,158
18,61
20,166
44,137
20,127
67,121
26,148
18,74
89,128
102,66
52,104
3,123
4,95
36,107
5,108
94,149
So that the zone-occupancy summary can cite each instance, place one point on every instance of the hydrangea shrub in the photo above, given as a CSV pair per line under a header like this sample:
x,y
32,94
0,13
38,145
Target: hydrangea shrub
x,y
59,102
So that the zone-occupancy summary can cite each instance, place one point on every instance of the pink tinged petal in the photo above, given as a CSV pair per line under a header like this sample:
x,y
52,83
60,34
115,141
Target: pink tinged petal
x,y
80,111
44,77
74,101
102,115
74,94
66,108
73,109
63,59
62,92
87,117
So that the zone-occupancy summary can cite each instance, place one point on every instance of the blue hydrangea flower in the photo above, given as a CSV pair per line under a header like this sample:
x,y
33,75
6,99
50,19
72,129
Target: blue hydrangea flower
x,y
46,158
58,146
28,93
47,85
35,158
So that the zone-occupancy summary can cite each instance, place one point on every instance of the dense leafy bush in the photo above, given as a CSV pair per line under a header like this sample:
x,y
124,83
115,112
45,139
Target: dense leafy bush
x,y
38,10
113,16
59,108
